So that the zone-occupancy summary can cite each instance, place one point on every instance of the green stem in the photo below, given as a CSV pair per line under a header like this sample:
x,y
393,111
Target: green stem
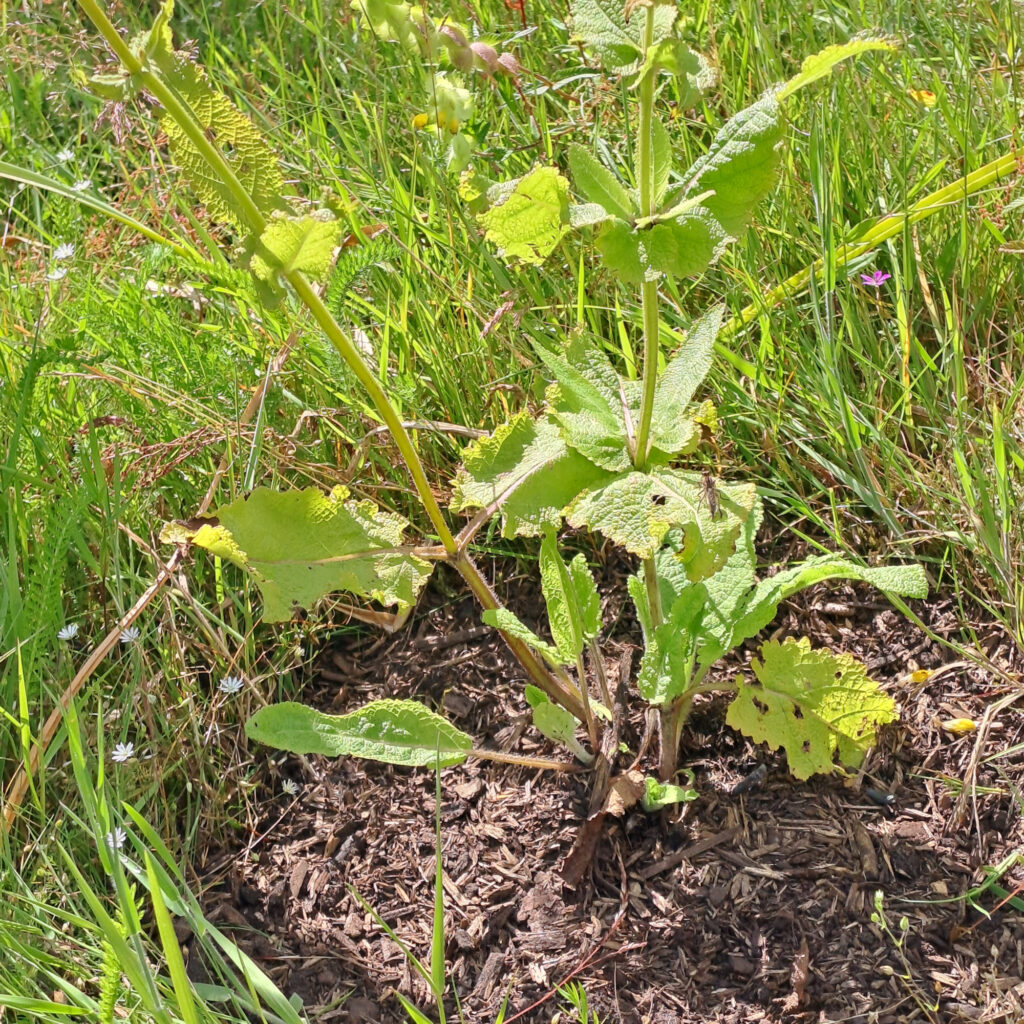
x,y
649,289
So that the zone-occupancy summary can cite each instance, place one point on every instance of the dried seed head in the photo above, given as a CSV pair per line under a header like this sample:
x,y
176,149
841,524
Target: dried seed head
x,y
486,55
509,65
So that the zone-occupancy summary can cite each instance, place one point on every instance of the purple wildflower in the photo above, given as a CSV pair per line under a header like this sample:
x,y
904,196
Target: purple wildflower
x,y
875,279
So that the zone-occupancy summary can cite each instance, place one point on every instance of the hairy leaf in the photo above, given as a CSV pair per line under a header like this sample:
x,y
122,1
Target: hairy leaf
x,y
586,401
636,511
251,160
763,601
816,704
526,470
301,545
305,244
602,26
587,597
667,662
597,184
527,220
821,64
672,428
619,246
674,56
564,614
394,731
507,622
741,165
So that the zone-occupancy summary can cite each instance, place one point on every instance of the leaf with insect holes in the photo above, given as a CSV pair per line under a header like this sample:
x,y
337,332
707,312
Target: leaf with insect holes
x,y
636,511
527,218
602,26
816,704
822,63
509,623
301,545
393,731
526,471
597,184
304,244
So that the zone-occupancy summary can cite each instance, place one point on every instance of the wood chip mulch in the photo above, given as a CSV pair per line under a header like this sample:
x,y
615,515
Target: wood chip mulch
x,y
751,904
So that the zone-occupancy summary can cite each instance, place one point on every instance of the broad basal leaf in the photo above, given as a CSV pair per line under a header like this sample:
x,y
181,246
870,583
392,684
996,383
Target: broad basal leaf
x,y
304,244
597,184
526,470
821,64
636,511
587,598
602,26
301,545
816,704
527,220
394,731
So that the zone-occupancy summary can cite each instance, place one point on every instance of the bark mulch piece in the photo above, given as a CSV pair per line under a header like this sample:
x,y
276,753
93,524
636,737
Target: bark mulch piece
x,y
752,904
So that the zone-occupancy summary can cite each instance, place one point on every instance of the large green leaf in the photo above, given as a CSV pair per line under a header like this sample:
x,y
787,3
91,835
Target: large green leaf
x,y
394,731
741,165
527,218
301,545
763,601
637,510
816,704
526,470
602,26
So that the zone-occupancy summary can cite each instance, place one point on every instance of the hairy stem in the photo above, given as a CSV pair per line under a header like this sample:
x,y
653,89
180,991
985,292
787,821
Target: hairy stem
x,y
649,289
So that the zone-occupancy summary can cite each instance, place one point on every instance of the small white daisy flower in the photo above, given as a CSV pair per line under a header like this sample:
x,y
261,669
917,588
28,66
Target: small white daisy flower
x,y
57,273
230,685
130,635
68,632
122,752
65,155
82,185
64,251
115,840
290,786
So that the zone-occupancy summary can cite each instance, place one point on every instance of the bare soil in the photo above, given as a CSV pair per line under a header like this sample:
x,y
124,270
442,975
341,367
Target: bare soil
x,y
745,906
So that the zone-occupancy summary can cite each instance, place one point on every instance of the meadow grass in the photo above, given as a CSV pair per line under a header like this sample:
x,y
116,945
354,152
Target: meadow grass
x,y
874,418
